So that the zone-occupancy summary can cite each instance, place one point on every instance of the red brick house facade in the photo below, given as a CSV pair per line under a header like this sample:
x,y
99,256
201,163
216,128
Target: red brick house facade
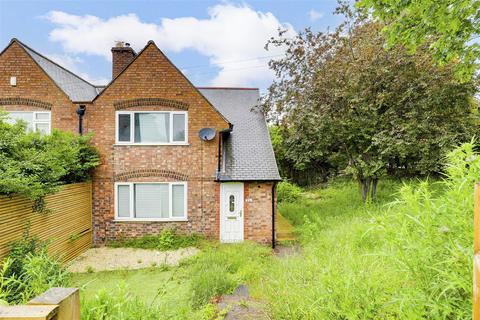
x,y
157,171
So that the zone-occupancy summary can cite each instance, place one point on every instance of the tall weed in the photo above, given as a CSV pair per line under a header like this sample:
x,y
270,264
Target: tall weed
x,y
29,271
220,269
407,257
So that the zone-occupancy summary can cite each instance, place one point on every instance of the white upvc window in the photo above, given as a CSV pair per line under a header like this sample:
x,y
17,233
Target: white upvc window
x,y
151,201
151,127
36,120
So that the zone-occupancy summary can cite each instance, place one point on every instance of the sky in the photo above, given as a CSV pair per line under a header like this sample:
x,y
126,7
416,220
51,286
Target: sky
x,y
214,43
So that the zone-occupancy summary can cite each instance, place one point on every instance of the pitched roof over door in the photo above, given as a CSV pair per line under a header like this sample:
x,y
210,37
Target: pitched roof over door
x,y
249,152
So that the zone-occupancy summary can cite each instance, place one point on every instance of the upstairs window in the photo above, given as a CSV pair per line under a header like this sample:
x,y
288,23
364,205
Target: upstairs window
x,y
151,127
36,121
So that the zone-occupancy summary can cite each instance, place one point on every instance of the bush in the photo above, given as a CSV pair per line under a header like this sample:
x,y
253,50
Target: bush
x,y
29,271
34,165
287,192
167,239
26,246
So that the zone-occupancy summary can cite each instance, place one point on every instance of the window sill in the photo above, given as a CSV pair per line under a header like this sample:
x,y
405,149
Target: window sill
x,y
151,220
150,144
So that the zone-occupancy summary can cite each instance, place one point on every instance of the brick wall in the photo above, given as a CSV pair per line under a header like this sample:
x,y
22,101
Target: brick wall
x,y
258,211
34,88
152,76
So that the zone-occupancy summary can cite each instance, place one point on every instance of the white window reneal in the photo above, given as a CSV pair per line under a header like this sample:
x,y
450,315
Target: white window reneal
x,y
36,121
151,201
151,127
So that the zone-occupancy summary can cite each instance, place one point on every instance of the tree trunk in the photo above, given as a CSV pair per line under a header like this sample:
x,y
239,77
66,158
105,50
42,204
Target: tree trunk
x,y
365,185
374,188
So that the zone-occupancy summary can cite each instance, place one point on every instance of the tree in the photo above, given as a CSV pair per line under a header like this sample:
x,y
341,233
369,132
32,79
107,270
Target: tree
x,y
342,98
451,28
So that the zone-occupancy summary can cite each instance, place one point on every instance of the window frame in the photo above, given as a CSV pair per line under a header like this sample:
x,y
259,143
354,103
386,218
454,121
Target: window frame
x,y
34,119
170,218
132,129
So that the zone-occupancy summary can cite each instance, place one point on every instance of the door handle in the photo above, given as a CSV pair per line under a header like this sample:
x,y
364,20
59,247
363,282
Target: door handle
x,y
240,212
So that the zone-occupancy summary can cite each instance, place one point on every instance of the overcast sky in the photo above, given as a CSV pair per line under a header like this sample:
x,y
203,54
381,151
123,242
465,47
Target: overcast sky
x,y
219,43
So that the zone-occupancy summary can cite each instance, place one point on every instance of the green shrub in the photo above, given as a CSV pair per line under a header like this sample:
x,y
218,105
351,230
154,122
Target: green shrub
x,y
167,239
34,165
29,271
26,246
288,192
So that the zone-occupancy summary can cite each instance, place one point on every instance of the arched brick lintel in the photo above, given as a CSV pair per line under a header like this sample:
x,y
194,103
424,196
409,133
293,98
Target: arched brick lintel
x,y
151,173
25,102
142,102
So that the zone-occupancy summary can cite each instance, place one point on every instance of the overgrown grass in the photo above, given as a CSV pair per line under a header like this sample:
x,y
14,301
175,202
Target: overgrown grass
x,y
182,292
168,239
406,256
28,271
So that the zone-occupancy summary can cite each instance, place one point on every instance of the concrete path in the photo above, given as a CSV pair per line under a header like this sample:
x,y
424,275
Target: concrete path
x,y
105,258
239,306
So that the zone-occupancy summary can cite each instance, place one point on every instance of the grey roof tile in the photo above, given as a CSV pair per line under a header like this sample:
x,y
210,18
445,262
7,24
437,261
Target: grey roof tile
x,y
77,89
249,152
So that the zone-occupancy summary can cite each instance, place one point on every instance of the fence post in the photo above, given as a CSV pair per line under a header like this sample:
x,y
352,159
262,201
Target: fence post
x,y
476,252
67,300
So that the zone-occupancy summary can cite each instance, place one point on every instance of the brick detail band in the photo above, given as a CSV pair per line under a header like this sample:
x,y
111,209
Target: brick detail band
x,y
124,104
151,173
25,102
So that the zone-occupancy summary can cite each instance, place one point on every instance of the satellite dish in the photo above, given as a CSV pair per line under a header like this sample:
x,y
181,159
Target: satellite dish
x,y
207,134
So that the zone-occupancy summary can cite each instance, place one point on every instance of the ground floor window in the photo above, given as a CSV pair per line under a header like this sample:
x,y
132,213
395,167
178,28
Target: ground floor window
x,y
151,201
36,121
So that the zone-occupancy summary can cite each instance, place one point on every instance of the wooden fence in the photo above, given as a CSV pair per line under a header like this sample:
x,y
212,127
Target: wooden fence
x,y
67,227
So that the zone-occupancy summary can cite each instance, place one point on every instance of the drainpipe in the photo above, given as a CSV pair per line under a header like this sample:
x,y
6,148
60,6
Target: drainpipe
x,y
273,214
81,112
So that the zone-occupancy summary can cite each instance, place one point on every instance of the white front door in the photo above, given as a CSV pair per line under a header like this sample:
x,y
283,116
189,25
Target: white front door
x,y
231,212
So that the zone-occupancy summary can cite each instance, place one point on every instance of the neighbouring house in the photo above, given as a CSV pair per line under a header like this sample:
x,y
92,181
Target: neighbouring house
x,y
172,155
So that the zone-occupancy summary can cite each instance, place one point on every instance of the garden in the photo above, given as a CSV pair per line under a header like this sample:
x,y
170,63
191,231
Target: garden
x,y
405,255
375,129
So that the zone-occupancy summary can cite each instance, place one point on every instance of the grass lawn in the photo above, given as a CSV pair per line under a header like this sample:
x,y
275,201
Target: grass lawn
x,y
182,292
143,284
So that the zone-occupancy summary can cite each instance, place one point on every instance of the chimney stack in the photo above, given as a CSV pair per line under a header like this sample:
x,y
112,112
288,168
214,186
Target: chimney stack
x,y
122,55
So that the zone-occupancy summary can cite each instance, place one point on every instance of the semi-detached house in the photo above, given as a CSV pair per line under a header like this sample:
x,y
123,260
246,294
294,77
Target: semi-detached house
x,y
172,155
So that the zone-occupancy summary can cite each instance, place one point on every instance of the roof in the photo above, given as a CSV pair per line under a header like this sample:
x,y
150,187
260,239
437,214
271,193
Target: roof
x,y
249,152
76,88
248,149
